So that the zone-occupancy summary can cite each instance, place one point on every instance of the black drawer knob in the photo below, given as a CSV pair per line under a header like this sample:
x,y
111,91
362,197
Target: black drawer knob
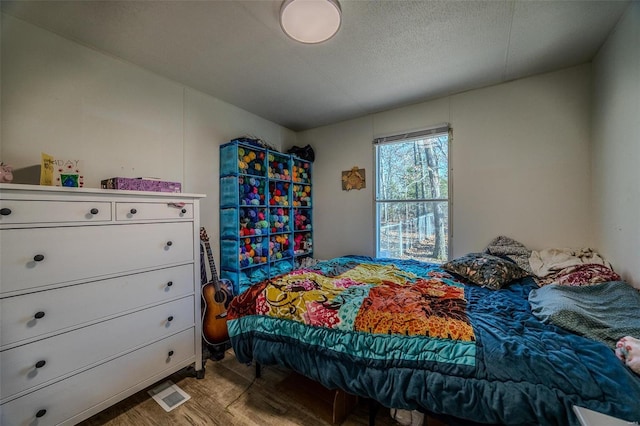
x,y
5,211
41,413
170,283
183,210
40,363
170,353
38,258
39,315
94,211
170,318
133,211
169,243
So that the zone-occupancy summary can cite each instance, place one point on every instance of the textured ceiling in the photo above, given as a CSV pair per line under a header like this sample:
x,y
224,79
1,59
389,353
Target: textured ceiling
x,y
387,53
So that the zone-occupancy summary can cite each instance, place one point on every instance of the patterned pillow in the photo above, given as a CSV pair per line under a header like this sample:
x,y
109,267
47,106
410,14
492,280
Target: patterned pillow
x,y
485,270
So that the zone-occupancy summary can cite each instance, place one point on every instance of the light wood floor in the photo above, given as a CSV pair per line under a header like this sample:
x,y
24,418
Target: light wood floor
x,y
231,395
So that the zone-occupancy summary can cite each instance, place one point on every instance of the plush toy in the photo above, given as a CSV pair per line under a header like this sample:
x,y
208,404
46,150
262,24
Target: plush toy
x,y
628,351
6,173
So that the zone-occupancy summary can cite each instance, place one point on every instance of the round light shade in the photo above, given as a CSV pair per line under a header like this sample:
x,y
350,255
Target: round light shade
x,y
310,21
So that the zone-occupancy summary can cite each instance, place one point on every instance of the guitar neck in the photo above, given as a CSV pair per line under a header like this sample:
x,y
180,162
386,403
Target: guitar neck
x,y
212,265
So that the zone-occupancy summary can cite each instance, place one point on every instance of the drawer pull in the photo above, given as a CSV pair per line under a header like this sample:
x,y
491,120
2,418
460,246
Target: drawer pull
x,y
170,318
170,353
94,211
169,243
38,258
183,211
133,211
41,413
170,283
5,211
40,363
39,315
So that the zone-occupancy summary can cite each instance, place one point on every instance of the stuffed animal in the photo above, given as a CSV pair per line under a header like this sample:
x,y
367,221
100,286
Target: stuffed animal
x,y
628,351
6,173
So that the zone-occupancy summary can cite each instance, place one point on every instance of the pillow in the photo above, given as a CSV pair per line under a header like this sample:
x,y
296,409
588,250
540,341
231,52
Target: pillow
x,y
485,270
580,275
586,274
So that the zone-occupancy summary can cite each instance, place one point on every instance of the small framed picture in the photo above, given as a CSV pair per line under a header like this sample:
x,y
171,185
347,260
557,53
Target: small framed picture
x,y
353,179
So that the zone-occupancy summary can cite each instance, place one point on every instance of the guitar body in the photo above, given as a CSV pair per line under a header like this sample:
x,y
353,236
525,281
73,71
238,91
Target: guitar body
x,y
216,296
214,319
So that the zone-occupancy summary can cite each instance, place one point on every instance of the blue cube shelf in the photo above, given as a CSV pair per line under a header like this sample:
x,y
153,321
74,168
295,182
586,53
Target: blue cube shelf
x,y
262,193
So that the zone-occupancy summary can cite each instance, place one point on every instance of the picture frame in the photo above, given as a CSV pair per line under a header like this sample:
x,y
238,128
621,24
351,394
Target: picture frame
x,y
353,179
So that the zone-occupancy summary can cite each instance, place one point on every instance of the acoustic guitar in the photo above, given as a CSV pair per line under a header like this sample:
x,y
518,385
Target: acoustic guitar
x,y
216,295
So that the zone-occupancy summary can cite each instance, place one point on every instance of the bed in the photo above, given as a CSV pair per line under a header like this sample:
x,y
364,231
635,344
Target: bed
x,y
415,336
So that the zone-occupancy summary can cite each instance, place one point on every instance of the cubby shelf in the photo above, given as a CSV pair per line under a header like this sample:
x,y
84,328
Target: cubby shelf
x,y
265,212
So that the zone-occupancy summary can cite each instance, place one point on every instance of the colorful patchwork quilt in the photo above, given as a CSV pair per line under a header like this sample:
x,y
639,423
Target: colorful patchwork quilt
x,y
412,336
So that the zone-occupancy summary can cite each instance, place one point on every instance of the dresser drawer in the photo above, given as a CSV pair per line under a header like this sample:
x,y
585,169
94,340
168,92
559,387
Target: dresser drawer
x,y
73,306
67,352
26,211
146,211
36,257
76,394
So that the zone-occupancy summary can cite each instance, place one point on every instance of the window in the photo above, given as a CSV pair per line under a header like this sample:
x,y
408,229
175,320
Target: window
x,y
412,195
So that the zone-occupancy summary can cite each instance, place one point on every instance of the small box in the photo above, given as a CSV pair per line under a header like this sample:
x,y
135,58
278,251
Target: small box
x,y
230,254
138,184
229,226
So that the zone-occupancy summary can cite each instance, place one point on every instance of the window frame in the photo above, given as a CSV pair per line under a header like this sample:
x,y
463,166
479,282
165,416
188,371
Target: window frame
x,y
409,137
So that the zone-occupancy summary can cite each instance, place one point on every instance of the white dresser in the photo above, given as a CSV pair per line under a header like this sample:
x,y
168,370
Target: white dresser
x,y
99,298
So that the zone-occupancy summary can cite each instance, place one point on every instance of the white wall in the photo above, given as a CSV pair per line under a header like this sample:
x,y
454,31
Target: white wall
x,y
342,220
520,157
521,162
616,146
70,101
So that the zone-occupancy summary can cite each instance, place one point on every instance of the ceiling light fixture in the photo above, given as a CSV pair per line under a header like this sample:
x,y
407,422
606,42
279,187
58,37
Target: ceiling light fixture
x,y
310,21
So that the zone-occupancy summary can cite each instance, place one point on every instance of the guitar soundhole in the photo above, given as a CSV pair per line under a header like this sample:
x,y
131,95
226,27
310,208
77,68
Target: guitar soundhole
x,y
219,297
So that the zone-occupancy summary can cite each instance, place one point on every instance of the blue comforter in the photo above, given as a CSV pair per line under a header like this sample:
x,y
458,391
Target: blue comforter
x,y
512,369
